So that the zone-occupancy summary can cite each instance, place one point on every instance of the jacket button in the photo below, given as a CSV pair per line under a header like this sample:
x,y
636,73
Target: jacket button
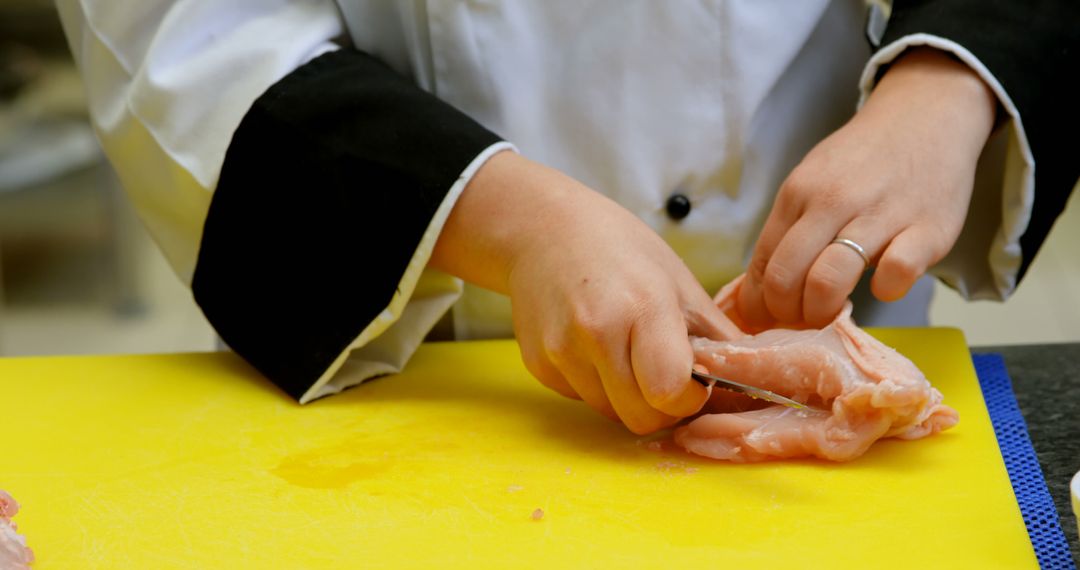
x,y
678,206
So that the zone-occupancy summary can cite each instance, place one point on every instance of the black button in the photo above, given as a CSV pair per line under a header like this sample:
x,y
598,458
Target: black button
x,y
678,206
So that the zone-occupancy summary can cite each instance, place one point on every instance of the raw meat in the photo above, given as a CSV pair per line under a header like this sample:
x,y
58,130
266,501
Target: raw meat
x,y
860,391
14,555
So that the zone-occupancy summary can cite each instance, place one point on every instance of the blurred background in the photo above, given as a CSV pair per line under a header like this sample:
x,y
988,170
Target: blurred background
x,y
79,274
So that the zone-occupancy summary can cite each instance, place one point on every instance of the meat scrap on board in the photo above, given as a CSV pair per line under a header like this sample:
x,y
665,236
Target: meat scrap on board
x,y
859,391
14,554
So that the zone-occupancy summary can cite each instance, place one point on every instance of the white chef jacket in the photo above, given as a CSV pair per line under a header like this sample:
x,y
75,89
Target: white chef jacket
x,y
715,100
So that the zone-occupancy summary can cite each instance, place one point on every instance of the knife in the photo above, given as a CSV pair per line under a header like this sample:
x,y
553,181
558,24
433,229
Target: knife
x,y
753,392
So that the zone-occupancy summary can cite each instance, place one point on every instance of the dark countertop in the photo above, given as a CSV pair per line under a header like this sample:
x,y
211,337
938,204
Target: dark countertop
x,y
1046,381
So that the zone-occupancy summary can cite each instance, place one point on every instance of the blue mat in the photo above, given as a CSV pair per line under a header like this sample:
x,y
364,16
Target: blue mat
x,y
1036,505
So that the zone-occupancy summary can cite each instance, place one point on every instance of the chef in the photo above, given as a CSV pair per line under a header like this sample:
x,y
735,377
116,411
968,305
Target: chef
x,y
338,181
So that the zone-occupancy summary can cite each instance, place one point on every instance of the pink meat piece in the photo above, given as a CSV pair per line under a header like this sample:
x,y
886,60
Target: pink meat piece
x,y
860,391
14,554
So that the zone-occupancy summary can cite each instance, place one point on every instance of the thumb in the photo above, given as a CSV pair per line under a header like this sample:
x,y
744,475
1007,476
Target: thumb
x,y
661,357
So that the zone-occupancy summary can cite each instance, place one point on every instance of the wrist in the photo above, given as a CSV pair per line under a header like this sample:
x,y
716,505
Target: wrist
x,y
510,205
929,87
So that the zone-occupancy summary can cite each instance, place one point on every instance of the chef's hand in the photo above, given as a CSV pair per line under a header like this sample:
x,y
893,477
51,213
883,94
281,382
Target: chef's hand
x,y
896,180
601,305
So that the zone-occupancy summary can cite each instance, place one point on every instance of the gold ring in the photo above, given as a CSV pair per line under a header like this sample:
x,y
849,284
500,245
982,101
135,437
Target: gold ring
x,y
854,247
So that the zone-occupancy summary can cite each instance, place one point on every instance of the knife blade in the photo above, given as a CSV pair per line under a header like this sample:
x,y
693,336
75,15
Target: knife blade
x,y
752,391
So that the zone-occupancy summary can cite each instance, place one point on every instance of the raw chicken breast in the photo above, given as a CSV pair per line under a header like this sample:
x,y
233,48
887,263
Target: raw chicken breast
x,y
860,390
14,555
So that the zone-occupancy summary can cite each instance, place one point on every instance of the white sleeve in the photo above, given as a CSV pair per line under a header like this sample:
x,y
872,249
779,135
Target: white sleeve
x,y
169,81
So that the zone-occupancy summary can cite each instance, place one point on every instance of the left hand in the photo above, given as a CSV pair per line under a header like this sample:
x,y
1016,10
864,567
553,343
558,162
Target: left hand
x,y
896,179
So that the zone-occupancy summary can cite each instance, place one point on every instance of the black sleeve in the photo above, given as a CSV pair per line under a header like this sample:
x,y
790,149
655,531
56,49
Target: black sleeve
x,y
1032,47
328,186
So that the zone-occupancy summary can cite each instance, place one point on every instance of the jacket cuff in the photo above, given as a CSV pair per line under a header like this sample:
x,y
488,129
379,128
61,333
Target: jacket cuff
x,y
422,297
986,261
332,195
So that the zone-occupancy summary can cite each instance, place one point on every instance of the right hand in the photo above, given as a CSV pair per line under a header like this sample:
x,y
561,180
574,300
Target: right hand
x,y
602,307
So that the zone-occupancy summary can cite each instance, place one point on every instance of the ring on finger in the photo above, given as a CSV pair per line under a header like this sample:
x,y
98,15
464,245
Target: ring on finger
x,y
853,247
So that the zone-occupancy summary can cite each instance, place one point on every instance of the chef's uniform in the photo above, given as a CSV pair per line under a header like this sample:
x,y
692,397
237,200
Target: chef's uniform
x,y
296,159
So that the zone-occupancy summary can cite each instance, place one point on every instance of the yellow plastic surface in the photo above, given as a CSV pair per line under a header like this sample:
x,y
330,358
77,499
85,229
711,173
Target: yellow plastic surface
x,y
194,461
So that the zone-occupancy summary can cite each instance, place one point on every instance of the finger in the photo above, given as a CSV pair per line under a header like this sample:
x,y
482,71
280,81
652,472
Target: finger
x,y
750,302
707,319
550,376
536,362
785,276
837,270
583,378
727,300
904,261
625,396
661,358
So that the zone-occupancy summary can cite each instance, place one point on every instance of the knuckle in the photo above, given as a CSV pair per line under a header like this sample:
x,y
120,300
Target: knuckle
x,y
598,327
758,264
558,348
532,359
547,376
658,395
824,280
803,190
666,397
790,202
534,365
779,280
814,193
553,383
796,187
594,329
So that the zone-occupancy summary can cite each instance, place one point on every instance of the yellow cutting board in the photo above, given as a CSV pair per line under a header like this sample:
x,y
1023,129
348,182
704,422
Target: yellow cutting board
x,y
194,461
